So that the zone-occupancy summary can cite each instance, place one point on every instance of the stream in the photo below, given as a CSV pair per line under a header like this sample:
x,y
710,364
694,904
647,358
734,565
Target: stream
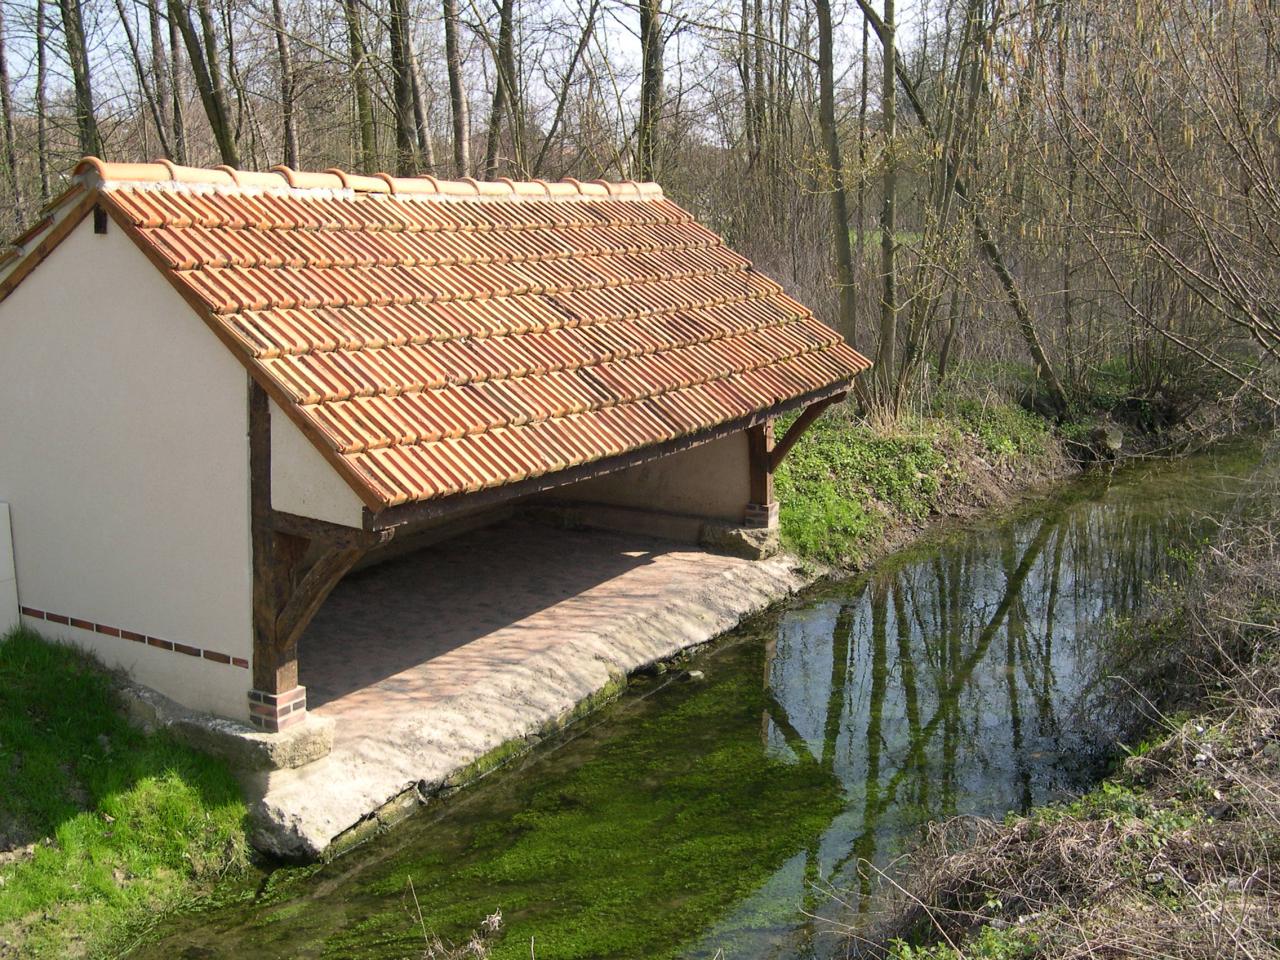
x,y
734,816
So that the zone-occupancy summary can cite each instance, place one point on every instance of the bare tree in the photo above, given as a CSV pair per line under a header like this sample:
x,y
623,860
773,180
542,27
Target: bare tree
x,y
886,356
651,51
503,95
78,55
402,82
360,87
835,170
421,115
457,91
147,91
288,121
177,91
202,52
6,110
42,108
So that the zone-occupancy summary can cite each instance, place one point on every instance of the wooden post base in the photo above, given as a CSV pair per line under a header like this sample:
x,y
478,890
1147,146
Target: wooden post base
x,y
273,712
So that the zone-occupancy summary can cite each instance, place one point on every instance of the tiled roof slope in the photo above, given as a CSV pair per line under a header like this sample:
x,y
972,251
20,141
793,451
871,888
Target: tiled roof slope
x,y
443,337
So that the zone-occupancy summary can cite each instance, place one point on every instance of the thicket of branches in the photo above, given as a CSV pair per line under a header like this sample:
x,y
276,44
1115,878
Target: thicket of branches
x,y
1082,187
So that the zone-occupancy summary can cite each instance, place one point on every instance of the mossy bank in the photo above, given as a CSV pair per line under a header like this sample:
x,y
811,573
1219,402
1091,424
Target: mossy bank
x,y
851,490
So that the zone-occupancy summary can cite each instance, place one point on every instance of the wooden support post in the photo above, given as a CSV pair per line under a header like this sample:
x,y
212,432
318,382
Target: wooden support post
x,y
762,510
287,590
276,700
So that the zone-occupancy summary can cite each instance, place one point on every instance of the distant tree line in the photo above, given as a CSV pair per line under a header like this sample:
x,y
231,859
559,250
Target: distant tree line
x,y
962,186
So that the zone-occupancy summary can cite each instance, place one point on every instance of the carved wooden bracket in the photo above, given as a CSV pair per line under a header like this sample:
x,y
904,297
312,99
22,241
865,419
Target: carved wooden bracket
x,y
798,427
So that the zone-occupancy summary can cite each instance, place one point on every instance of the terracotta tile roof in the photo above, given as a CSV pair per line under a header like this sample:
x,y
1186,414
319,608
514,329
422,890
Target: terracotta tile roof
x,y
441,337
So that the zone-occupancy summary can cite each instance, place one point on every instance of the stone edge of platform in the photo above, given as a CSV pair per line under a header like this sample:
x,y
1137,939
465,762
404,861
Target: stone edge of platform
x,y
279,835
242,747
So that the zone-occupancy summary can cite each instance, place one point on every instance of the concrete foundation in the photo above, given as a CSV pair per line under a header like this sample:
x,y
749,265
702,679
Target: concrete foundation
x,y
436,667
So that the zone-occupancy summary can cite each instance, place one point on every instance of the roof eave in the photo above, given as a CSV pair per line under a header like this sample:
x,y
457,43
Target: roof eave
x,y
422,511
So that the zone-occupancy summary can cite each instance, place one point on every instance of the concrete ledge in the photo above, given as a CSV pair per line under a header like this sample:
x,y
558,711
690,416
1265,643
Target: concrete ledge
x,y
242,747
750,543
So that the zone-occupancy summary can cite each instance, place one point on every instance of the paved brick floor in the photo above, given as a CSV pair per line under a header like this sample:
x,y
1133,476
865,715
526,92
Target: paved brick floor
x,y
397,637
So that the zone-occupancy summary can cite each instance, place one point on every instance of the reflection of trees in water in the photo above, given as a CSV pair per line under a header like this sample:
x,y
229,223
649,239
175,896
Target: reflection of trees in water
x,y
960,682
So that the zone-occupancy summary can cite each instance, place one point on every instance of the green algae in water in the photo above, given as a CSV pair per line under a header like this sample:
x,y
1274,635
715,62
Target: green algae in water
x,y
966,675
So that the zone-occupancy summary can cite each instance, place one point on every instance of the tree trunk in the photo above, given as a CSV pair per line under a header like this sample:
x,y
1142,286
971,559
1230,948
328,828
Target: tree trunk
x,y
402,89
886,357
831,145
562,100
159,74
286,86
744,74
148,91
501,87
863,91
42,125
457,92
760,111
986,239
177,91
650,89
6,108
360,84
202,51
77,53
421,115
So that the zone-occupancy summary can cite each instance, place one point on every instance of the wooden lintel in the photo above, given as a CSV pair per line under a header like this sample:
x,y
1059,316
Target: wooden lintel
x,y
333,534
410,513
798,427
306,597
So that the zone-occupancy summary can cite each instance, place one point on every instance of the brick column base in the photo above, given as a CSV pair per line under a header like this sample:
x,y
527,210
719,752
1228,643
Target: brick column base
x,y
273,712
761,515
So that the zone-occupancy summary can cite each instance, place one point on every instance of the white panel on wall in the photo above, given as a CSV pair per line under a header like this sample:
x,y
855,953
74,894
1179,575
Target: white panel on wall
x,y
8,578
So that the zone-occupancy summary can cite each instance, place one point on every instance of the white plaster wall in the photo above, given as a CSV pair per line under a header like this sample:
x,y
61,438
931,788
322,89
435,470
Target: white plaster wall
x,y
303,481
125,464
710,480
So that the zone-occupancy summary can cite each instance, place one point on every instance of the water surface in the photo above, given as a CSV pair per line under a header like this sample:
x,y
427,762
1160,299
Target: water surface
x,y
968,675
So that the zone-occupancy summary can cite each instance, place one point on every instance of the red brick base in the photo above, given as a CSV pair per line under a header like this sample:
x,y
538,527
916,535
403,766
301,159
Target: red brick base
x,y
273,712
761,515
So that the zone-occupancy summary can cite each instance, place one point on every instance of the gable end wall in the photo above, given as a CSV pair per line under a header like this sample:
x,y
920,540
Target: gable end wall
x,y
125,465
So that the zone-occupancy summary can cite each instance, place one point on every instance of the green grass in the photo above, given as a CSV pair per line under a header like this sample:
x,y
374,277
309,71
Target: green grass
x,y
126,824
988,944
845,482
1004,429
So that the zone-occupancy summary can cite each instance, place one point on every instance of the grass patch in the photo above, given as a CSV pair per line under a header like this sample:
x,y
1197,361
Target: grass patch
x,y
125,824
1005,430
847,481
843,482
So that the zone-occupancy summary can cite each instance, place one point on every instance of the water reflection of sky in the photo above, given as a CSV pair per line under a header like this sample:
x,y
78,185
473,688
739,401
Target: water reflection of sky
x,y
968,679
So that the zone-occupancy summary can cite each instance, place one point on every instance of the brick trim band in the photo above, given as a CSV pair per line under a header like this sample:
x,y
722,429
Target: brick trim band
x,y
213,656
